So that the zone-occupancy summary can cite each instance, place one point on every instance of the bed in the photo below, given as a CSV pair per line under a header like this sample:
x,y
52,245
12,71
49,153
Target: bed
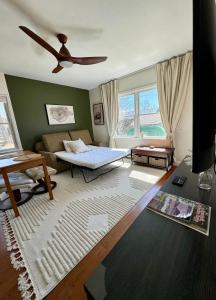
x,y
94,159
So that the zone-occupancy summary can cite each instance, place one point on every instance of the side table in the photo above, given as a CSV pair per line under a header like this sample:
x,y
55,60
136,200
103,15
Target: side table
x,y
161,158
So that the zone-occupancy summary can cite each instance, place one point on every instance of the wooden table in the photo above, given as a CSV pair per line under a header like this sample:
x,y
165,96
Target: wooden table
x,y
159,259
8,165
154,157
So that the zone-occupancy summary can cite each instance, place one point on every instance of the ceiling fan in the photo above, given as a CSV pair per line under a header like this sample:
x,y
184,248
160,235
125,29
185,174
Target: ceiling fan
x,y
64,58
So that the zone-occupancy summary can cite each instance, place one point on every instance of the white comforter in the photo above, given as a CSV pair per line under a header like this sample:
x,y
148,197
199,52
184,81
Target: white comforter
x,y
97,157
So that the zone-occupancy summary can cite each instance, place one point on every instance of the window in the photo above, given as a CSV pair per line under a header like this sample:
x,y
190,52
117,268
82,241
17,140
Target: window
x,y
7,130
126,115
139,114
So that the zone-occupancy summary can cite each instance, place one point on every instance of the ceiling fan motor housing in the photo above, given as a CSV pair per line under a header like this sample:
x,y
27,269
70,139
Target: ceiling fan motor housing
x,y
62,38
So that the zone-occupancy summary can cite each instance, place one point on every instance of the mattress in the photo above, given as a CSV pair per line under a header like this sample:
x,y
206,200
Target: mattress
x,y
95,158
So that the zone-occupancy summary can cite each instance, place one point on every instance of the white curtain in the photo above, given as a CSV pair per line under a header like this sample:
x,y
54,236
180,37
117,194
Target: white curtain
x,y
109,94
174,80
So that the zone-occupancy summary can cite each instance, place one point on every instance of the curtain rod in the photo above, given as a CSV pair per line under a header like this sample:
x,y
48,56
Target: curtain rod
x,y
129,74
137,71
149,67
175,56
153,65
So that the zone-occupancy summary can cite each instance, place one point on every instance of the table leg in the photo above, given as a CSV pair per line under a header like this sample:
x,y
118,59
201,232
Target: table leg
x,y
10,193
172,160
47,180
167,163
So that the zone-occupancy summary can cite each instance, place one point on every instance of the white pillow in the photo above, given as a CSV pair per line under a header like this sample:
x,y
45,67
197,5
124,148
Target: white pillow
x,y
76,146
66,145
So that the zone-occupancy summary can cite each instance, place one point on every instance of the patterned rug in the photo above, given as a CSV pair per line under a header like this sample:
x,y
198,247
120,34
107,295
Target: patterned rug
x,y
51,237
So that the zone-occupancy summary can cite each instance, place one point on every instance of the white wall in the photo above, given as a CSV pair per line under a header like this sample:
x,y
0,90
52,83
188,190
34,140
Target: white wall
x,y
183,134
137,80
99,131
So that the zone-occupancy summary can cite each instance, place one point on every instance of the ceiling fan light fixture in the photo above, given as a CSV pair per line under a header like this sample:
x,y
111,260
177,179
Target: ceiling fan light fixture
x,y
65,64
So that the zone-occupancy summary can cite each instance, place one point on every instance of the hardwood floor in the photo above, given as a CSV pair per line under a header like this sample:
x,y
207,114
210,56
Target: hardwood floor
x,y
72,286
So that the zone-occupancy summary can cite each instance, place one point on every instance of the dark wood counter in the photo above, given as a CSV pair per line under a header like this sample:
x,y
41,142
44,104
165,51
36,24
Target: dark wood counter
x,y
158,259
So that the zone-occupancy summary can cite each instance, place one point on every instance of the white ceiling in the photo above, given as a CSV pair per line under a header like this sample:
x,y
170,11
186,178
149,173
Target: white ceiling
x,y
133,34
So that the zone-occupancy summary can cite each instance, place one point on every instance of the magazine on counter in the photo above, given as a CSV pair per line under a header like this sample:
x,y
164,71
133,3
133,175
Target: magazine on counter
x,y
190,213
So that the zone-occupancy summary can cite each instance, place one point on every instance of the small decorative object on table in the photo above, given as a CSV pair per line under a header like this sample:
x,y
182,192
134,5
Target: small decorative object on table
x,y
153,157
205,180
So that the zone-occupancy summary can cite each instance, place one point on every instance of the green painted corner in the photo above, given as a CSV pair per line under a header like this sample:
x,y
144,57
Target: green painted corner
x,y
28,99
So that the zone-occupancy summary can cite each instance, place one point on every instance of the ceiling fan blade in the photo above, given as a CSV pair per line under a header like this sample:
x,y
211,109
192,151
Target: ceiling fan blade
x,y
57,69
64,51
41,42
87,60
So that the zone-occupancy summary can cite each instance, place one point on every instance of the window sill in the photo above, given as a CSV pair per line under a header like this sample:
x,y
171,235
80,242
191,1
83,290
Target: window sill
x,y
3,152
141,138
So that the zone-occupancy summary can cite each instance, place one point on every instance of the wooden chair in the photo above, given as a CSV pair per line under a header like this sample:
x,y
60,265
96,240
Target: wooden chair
x,y
21,185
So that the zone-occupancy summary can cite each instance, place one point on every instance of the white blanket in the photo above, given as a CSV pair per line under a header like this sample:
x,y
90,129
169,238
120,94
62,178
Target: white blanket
x,y
97,157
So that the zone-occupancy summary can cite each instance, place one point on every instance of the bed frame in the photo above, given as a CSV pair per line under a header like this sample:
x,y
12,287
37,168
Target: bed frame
x,y
83,169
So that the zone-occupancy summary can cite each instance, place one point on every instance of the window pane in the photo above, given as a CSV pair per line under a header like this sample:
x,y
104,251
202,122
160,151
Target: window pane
x,y
3,114
126,116
149,114
6,136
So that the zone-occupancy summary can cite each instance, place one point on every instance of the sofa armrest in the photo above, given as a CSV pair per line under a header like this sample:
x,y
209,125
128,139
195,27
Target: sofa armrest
x,y
49,157
53,161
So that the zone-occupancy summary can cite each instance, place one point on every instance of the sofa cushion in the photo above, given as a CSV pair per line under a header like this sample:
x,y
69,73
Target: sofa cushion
x,y
17,180
53,142
84,135
38,173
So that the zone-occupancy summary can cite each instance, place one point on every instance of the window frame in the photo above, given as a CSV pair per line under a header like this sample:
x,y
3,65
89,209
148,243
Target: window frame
x,y
137,133
12,123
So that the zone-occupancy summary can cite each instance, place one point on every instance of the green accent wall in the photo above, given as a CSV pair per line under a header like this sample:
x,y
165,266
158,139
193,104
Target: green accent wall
x,y
28,99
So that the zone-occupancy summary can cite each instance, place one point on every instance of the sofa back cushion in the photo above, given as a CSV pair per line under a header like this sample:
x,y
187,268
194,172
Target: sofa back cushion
x,y
53,142
39,146
84,135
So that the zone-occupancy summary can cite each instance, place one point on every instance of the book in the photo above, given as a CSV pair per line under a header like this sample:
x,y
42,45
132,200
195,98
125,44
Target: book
x,y
189,213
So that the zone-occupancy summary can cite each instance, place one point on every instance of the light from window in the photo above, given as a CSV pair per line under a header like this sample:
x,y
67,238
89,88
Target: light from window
x,y
7,140
139,115
126,115
149,114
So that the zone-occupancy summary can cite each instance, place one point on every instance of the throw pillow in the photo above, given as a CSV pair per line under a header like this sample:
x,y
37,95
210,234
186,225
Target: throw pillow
x,y
76,146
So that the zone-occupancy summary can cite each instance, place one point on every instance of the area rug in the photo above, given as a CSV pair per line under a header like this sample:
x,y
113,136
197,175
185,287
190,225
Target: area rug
x,y
52,237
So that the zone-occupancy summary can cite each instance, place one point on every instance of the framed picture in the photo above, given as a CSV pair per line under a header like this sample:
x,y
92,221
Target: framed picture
x,y
60,114
98,114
